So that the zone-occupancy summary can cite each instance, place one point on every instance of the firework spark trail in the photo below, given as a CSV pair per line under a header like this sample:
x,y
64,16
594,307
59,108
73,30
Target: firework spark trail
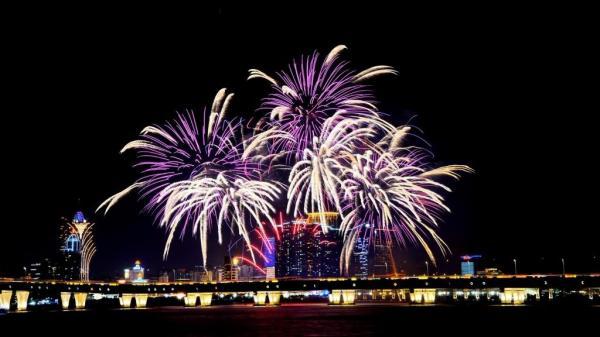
x,y
88,250
391,192
206,200
310,92
314,181
202,176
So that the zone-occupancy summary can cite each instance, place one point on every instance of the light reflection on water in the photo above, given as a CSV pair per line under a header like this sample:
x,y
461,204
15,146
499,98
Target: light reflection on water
x,y
302,320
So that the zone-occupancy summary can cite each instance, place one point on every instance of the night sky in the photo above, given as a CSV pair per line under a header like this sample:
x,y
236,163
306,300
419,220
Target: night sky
x,y
504,91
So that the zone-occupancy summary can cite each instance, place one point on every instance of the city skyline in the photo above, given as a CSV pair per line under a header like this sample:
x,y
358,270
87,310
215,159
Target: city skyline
x,y
487,206
50,264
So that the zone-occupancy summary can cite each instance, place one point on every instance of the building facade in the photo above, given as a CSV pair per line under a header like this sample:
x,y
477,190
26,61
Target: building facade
x,y
134,274
305,251
360,258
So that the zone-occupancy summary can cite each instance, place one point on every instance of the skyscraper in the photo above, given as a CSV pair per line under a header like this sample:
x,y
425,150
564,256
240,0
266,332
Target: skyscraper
x,y
283,251
69,258
296,251
360,258
328,253
306,251
78,248
269,251
383,261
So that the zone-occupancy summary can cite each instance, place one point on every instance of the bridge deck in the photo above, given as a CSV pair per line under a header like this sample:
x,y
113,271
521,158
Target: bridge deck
x,y
565,282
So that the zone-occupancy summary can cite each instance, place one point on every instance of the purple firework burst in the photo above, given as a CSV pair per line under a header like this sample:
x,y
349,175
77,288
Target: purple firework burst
x,y
312,90
180,150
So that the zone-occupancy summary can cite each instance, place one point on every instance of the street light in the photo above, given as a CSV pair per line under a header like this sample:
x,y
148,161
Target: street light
x,y
515,262
562,259
427,266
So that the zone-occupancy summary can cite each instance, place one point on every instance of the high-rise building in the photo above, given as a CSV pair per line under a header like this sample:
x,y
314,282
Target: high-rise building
x,y
360,258
328,253
77,248
297,251
304,250
284,253
269,250
383,264
69,262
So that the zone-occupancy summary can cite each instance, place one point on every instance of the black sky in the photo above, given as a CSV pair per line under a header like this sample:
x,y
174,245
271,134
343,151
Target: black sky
x,y
508,91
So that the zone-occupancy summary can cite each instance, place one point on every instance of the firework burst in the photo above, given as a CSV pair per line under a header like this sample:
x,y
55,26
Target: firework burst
x,y
311,91
314,181
200,176
344,157
390,195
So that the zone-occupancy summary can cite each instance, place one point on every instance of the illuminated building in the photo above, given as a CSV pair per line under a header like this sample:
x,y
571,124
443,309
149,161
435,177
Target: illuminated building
x,y
383,261
181,275
218,273
284,251
324,218
269,252
328,253
489,272
360,258
231,269
270,261
208,276
270,273
42,270
297,250
135,274
69,266
305,251
200,274
467,266
78,248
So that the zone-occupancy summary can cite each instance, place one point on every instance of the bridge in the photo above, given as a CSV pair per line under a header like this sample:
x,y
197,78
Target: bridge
x,y
507,289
